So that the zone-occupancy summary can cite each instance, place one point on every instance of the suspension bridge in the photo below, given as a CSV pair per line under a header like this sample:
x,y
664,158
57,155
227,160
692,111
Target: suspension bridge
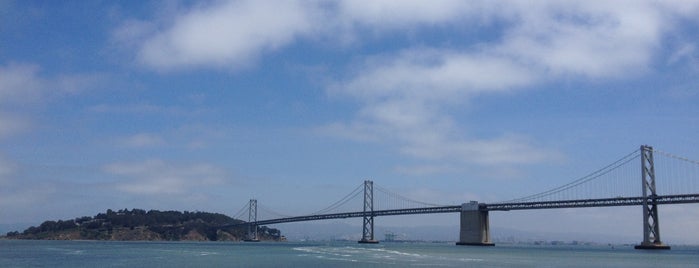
x,y
621,183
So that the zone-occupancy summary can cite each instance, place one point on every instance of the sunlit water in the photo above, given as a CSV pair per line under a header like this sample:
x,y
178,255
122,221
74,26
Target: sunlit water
x,y
331,254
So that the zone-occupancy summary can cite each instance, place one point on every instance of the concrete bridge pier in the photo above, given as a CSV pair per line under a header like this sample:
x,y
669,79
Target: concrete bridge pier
x,y
475,226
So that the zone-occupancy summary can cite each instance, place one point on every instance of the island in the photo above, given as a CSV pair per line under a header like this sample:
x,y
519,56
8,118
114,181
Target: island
x,y
142,225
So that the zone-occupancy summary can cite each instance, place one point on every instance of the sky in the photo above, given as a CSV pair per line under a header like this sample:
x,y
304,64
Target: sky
x,y
203,105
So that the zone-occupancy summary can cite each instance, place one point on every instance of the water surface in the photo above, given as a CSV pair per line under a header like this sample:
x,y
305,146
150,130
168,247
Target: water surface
x,y
16,253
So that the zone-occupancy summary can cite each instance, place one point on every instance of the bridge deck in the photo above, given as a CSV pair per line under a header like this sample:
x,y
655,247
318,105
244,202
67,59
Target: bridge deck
x,y
604,202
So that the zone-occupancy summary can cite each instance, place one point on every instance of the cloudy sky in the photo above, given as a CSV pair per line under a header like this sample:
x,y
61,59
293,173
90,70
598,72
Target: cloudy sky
x,y
204,105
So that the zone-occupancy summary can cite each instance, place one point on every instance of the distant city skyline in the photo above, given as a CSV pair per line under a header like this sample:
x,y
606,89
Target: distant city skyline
x,y
202,106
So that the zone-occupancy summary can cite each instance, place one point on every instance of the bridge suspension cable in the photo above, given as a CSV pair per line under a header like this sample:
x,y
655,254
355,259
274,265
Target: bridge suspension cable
x,y
242,213
391,200
344,200
268,213
676,175
619,183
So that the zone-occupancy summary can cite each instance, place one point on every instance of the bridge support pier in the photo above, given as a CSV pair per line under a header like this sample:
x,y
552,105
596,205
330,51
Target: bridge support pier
x,y
475,226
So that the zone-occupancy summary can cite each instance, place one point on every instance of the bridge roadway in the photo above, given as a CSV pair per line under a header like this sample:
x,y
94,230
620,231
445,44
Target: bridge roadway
x,y
604,202
583,203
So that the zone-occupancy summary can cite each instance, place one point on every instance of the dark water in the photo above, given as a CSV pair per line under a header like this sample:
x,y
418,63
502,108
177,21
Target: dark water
x,y
332,254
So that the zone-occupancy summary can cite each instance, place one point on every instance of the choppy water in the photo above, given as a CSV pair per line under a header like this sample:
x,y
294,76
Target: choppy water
x,y
333,254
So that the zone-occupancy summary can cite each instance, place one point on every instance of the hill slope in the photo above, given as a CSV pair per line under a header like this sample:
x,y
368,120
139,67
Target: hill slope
x,y
138,224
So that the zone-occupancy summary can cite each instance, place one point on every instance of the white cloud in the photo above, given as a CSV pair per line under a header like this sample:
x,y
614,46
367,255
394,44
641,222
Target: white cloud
x,y
407,100
23,88
11,124
18,194
78,83
224,34
23,203
596,38
684,8
685,54
141,140
436,75
20,86
132,32
423,170
588,38
7,169
137,108
405,13
160,177
27,196
23,83
188,136
408,96
19,83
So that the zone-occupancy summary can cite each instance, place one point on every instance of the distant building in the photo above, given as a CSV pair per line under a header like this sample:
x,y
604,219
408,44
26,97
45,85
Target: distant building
x,y
388,237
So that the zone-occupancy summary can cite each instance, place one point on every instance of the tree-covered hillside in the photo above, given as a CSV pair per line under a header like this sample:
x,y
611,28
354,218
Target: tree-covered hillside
x,y
138,224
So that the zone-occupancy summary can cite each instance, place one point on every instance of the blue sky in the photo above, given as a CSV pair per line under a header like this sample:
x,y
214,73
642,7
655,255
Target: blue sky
x,y
204,105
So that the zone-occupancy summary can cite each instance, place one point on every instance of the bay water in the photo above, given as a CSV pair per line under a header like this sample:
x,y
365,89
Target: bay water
x,y
33,253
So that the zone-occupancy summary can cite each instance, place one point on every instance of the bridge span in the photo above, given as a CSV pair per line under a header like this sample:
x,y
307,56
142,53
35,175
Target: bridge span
x,y
583,203
587,203
475,228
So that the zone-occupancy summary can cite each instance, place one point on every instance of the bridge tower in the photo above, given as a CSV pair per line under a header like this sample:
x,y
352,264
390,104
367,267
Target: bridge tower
x,y
368,231
651,227
252,222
